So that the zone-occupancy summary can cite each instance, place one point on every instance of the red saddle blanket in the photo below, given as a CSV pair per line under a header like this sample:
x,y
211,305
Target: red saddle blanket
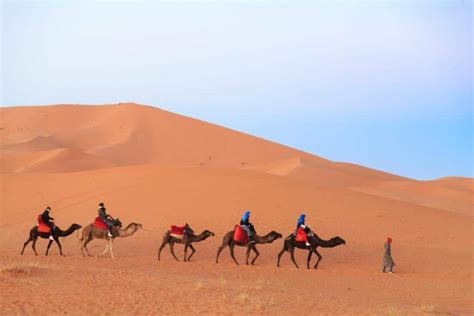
x,y
301,235
177,230
99,223
240,235
42,227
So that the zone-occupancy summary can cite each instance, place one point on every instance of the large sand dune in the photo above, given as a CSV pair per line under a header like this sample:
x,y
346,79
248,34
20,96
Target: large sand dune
x,y
159,168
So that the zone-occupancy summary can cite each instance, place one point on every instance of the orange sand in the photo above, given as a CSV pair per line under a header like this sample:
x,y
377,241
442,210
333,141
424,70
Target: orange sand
x,y
158,168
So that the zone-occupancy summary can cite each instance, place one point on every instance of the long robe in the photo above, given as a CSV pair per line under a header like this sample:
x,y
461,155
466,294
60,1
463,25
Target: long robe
x,y
387,258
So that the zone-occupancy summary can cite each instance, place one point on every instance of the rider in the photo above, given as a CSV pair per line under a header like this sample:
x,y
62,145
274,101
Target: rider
x,y
301,224
106,218
47,220
248,227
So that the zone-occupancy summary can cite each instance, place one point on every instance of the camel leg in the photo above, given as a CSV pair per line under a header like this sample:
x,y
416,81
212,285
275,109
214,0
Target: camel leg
x,y
59,245
163,244
225,243
105,251
280,254
319,258
49,245
256,253
309,258
219,250
185,251
111,244
172,250
84,246
231,247
247,255
34,245
26,244
192,253
292,254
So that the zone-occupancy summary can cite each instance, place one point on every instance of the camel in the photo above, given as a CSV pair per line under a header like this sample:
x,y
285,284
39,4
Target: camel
x,y
228,240
290,244
90,232
34,234
187,241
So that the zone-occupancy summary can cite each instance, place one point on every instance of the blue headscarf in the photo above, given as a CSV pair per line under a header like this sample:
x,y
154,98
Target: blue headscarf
x,y
301,220
246,216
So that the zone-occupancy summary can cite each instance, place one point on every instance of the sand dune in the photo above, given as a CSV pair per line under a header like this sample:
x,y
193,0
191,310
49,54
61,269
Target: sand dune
x,y
38,143
159,168
282,167
130,134
465,184
56,160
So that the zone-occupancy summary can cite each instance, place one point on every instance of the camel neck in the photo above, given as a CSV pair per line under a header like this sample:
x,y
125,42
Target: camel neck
x,y
67,232
262,239
199,237
327,243
130,230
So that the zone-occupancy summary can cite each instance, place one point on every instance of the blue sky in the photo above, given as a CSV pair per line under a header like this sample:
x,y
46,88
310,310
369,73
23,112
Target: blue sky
x,y
385,84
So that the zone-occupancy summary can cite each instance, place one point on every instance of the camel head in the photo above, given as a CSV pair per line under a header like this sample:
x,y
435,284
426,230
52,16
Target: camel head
x,y
208,233
136,226
75,226
274,235
338,240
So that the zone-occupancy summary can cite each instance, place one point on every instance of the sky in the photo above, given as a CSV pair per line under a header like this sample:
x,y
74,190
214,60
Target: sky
x,y
384,84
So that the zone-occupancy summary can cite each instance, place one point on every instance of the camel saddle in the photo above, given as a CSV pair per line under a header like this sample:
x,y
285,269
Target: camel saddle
x,y
301,235
177,231
42,227
240,235
99,223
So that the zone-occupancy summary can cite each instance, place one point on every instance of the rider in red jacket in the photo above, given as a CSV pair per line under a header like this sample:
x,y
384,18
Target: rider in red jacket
x,y
47,220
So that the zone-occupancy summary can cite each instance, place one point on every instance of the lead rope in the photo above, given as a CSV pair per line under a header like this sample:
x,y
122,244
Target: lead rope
x,y
150,231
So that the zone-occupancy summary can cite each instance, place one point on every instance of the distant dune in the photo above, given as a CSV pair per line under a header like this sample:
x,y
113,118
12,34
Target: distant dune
x,y
159,168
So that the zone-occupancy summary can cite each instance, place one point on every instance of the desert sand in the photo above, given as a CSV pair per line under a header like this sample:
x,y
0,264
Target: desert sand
x,y
158,168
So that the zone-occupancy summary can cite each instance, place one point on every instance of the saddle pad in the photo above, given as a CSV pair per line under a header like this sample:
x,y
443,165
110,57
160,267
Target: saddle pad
x,y
99,223
43,228
177,230
301,235
177,236
240,235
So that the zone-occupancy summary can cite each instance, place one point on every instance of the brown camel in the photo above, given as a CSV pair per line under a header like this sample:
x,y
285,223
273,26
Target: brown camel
x,y
228,240
34,234
90,232
290,244
187,241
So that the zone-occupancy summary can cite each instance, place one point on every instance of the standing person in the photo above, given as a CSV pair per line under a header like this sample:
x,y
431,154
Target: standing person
x,y
387,258
247,226
301,227
106,218
48,221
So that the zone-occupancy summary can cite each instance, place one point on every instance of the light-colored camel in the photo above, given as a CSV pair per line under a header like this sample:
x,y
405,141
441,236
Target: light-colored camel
x,y
90,232
187,241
